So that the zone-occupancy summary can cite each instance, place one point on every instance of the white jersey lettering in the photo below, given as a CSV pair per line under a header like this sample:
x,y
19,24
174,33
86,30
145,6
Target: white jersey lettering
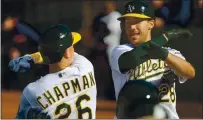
x,y
67,94
151,71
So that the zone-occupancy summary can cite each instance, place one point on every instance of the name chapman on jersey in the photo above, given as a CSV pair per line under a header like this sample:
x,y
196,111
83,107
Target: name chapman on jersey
x,y
76,85
156,66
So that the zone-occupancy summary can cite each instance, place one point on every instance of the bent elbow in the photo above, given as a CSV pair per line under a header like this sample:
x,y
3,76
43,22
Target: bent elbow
x,y
191,74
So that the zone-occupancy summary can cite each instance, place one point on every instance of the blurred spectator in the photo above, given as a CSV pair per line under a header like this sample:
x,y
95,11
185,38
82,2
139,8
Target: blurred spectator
x,y
106,33
158,4
8,26
8,76
16,43
113,38
200,3
175,11
198,18
159,22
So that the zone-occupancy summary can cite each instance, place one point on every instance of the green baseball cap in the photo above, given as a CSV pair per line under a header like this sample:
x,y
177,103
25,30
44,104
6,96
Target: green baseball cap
x,y
55,40
138,9
137,98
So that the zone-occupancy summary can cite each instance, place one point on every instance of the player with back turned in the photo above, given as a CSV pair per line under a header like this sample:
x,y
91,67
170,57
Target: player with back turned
x,y
145,59
142,58
69,90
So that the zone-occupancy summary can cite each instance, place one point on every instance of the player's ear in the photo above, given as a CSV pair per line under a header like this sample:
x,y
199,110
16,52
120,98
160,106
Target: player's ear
x,y
151,24
67,53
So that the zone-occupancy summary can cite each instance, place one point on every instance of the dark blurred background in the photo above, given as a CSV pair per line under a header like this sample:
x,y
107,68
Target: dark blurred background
x,y
96,21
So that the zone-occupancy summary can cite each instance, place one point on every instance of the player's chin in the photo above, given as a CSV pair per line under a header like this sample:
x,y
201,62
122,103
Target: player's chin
x,y
135,42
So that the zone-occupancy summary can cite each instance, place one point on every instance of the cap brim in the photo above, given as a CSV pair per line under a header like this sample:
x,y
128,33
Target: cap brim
x,y
134,15
76,37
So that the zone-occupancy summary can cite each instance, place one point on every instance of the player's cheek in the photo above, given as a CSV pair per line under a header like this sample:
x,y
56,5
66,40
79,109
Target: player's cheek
x,y
127,31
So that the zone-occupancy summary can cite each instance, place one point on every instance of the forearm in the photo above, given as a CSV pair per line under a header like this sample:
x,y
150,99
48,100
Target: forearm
x,y
161,40
180,66
130,60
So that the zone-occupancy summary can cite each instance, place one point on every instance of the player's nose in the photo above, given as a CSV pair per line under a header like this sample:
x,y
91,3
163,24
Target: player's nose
x,y
133,27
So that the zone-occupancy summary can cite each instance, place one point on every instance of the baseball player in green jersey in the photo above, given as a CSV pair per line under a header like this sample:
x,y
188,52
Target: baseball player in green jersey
x,y
142,58
145,58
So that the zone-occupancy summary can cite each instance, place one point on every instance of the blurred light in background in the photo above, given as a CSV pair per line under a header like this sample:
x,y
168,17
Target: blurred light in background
x,y
19,38
157,3
200,3
14,53
9,23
